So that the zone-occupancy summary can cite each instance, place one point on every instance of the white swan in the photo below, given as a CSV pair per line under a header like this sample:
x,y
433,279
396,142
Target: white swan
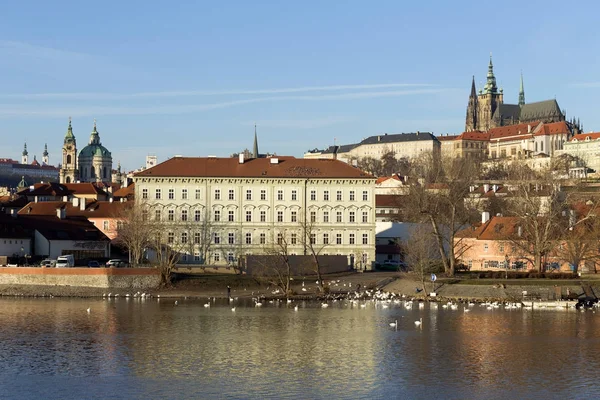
x,y
324,305
419,322
89,310
394,324
296,308
207,305
233,309
176,302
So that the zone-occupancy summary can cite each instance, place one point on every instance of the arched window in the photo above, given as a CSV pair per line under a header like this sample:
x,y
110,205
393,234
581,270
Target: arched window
x,y
85,172
93,171
68,180
104,173
68,159
536,147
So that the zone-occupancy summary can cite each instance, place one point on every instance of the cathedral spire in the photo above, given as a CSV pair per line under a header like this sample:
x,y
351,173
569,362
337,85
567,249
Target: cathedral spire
x,y
45,153
255,147
25,149
490,85
521,92
69,137
94,136
473,90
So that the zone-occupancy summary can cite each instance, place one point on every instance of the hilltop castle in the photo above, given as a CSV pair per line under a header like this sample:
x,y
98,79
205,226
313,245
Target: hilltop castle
x,y
487,109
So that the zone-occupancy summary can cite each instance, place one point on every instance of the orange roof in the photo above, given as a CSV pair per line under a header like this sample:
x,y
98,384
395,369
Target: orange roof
x,y
382,179
474,135
512,130
446,137
84,188
552,128
93,209
125,191
388,200
285,167
497,228
583,136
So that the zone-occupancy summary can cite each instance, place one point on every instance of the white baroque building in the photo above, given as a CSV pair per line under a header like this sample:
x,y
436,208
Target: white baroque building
x,y
251,201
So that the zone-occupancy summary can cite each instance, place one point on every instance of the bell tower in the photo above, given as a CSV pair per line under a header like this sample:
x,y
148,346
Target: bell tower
x,y
471,121
68,171
488,100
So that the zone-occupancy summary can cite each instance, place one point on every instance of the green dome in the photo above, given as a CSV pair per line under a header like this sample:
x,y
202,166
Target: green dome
x,y
92,150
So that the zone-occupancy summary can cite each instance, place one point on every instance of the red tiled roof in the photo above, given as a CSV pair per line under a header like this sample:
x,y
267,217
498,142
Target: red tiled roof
x,y
512,130
54,228
84,188
382,179
93,209
446,138
474,135
257,167
388,200
497,228
128,191
582,136
552,128
45,189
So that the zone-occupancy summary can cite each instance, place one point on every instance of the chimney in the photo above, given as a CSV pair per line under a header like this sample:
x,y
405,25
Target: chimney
x,y
82,204
75,201
35,199
471,189
485,217
519,231
495,188
241,158
110,200
274,160
486,188
528,128
379,138
13,213
65,198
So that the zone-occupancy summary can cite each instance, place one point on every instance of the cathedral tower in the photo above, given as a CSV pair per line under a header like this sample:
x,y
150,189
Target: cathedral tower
x,y
521,93
24,154
471,123
488,100
45,157
68,171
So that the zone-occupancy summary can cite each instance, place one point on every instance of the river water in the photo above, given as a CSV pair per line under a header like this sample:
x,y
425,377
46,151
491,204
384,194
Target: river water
x,y
152,349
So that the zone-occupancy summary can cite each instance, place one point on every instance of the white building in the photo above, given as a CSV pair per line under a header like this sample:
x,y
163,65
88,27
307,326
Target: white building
x,y
585,146
251,201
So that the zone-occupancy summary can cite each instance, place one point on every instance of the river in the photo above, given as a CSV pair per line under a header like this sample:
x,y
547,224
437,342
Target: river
x,y
154,349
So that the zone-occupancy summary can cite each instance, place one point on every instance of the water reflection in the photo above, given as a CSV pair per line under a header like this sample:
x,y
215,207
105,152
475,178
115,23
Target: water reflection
x,y
156,349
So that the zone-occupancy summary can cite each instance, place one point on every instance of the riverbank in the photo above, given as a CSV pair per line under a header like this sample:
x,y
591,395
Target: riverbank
x,y
340,285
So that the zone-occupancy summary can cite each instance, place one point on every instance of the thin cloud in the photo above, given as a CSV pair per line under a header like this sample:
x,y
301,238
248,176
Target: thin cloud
x,y
585,85
301,123
75,111
199,93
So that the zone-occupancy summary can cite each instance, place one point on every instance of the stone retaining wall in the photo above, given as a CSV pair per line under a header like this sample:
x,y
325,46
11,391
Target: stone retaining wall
x,y
118,278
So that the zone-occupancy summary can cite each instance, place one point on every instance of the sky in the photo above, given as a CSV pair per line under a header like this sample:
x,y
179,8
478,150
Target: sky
x,y
193,77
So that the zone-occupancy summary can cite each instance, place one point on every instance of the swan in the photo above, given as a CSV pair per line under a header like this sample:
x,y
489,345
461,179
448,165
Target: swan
x,y
176,302
394,324
296,308
207,305
258,304
89,310
233,309
419,322
324,305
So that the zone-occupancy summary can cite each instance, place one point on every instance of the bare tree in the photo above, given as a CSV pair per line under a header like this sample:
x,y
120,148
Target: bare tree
x,y
275,266
200,229
440,201
312,245
420,253
580,242
134,230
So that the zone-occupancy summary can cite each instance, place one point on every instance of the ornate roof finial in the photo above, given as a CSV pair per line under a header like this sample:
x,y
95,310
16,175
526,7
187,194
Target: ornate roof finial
x,y
25,149
521,92
255,147
94,123
45,153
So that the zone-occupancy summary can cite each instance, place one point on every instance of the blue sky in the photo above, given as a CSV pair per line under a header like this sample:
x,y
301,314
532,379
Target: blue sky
x,y
192,77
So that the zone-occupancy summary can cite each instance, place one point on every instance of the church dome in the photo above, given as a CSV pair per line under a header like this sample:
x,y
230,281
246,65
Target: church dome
x,y
94,148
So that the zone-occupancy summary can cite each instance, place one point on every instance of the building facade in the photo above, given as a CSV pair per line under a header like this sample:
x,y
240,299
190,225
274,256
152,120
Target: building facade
x,y
251,203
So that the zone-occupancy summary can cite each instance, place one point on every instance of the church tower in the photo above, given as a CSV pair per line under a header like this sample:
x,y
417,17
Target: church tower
x,y
488,100
24,154
45,157
521,93
471,122
68,171
255,153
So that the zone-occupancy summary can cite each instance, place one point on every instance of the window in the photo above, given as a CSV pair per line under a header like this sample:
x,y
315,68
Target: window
x,y
263,216
263,238
365,195
338,238
352,195
326,238
171,215
280,195
294,195
313,216
338,216
144,193
198,194
197,238
501,248
485,247
352,216
197,215
470,263
157,215
325,216
313,195
216,238
248,216
144,218
170,237
157,194
248,238
184,194
217,194
313,238
196,256
231,194
279,238
248,194
105,225
184,215
231,238
326,195
171,194
351,238
263,194
365,238
365,217
230,257
294,238
294,216
184,237
338,195
279,216
217,215
217,257
230,216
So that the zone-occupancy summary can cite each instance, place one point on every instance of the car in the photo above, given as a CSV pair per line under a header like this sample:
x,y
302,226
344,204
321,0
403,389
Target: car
x,y
116,263
48,263
393,265
93,264
66,261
